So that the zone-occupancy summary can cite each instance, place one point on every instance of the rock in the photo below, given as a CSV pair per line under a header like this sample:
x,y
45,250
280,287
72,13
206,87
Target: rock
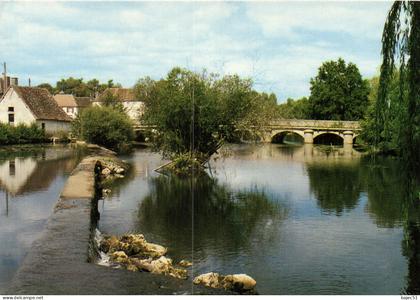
x,y
106,171
238,282
211,279
119,170
162,265
119,176
110,244
120,256
132,268
106,191
154,250
185,263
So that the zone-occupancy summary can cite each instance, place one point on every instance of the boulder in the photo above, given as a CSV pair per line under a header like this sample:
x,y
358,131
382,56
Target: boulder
x,y
211,279
185,263
106,171
162,265
109,244
132,268
238,282
120,257
154,250
119,170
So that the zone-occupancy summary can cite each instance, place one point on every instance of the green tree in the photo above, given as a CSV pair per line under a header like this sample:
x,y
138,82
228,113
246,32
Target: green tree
x,y
294,109
194,113
390,139
104,126
338,92
401,52
79,88
47,86
111,100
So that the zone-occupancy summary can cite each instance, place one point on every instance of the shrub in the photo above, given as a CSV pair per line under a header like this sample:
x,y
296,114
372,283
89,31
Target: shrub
x,y
21,134
105,126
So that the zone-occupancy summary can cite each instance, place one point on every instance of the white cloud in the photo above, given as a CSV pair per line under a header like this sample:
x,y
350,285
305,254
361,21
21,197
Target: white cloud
x,y
279,44
360,19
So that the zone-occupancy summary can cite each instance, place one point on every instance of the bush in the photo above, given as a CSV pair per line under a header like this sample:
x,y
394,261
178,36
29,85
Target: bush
x,y
21,134
104,126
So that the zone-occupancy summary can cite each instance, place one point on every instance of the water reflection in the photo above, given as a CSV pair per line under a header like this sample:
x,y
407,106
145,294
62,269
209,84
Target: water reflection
x,y
31,179
209,213
301,220
336,186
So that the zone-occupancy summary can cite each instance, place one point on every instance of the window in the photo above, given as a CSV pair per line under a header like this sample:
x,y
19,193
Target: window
x,y
12,168
11,108
11,118
43,126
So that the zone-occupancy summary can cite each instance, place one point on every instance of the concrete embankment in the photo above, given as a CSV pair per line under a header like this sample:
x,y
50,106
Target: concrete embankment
x,y
58,262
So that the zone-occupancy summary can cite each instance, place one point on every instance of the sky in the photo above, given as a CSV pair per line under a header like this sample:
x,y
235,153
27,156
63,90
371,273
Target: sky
x,y
279,44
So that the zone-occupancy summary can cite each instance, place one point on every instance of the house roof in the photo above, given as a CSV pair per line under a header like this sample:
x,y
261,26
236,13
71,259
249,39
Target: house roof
x,y
68,100
41,103
83,101
123,94
65,100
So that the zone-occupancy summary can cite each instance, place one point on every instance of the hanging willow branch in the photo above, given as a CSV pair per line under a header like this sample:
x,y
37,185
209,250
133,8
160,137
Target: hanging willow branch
x,y
401,60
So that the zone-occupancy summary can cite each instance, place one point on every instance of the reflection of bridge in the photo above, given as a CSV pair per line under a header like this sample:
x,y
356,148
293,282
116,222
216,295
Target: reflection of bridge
x,y
312,129
309,130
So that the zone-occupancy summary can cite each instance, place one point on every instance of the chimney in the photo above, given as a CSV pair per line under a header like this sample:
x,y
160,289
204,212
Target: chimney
x,y
4,78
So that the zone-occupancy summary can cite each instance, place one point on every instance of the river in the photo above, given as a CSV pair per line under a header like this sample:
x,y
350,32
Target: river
x,y
298,219
31,179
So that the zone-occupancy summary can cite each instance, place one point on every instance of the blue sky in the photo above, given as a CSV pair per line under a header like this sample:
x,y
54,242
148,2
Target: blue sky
x,y
279,44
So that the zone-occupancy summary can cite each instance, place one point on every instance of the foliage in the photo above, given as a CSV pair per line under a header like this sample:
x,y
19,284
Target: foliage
x,y
78,87
111,100
47,86
21,134
390,143
104,126
338,92
401,52
194,113
185,165
294,109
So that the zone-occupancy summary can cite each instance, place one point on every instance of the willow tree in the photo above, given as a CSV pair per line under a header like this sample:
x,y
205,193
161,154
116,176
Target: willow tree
x,y
401,56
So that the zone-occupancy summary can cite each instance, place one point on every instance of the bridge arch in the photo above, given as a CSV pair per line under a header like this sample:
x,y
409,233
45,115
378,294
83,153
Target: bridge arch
x,y
278,136
329,138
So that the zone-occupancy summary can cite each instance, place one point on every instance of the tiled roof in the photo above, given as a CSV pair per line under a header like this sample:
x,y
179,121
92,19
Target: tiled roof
x,y
122,94
65,100
83,101
41,103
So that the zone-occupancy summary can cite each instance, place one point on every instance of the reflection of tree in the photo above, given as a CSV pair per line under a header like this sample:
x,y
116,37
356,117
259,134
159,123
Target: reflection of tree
x,y
335,186
411,241
221,218
385,189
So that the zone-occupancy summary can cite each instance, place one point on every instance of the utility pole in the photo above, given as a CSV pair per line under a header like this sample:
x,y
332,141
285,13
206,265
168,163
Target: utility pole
x,y
29,81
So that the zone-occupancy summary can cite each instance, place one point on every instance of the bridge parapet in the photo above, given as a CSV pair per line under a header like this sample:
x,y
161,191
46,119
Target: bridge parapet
x,y
315,124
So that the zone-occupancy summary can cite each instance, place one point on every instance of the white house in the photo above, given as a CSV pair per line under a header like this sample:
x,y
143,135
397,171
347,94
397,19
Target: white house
x,y
133,107
31,104
70,104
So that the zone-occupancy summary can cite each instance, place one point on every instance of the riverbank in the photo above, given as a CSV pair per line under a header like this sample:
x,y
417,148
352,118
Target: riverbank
x,y
59,261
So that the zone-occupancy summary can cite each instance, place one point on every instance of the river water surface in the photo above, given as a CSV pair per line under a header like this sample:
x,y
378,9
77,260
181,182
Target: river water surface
x,y
31,179
300,220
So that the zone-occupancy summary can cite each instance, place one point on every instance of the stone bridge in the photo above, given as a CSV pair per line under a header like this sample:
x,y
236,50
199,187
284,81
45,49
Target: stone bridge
x,y
310,130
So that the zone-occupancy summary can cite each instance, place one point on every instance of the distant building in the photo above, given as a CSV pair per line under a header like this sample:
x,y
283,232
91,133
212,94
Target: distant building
x,y
133,107
72,105
31,104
